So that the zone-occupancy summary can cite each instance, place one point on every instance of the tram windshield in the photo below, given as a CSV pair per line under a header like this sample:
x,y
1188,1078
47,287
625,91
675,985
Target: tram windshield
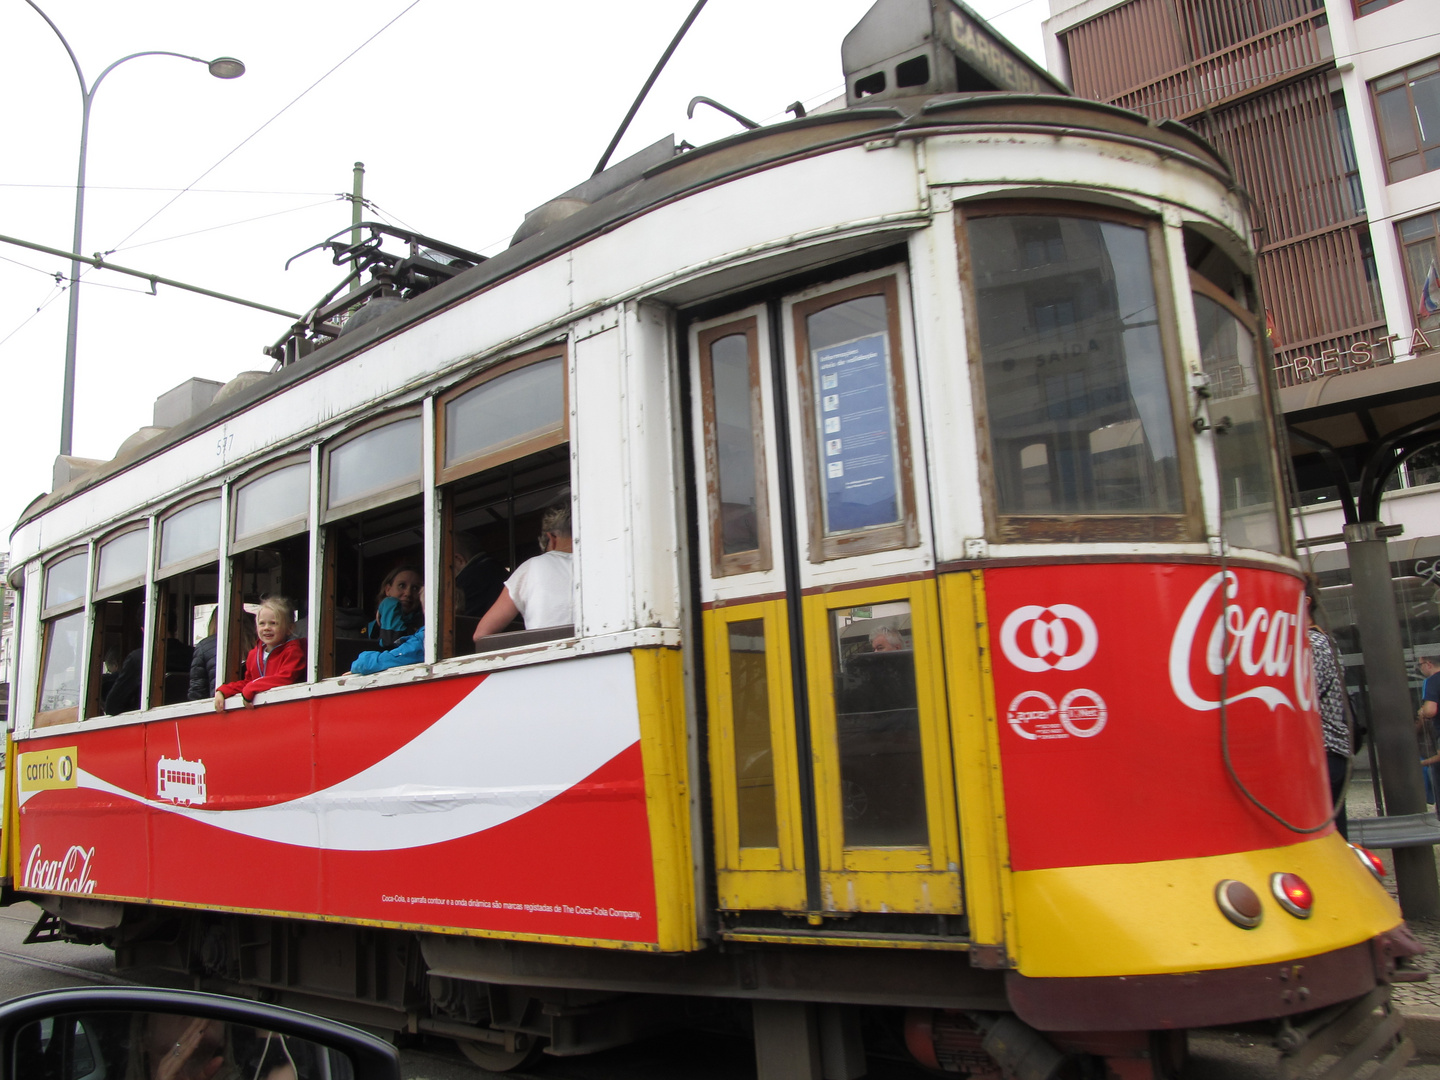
x,y
1076,394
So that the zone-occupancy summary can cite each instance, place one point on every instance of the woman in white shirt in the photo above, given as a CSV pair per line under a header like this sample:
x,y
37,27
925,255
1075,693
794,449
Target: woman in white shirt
x,y
541,589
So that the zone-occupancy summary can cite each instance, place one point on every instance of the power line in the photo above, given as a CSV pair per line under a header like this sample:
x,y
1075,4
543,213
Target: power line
x,y
267,123
227,225
50,299
193,190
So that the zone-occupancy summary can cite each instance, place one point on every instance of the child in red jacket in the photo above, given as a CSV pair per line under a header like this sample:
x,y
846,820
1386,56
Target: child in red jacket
x,y
277,659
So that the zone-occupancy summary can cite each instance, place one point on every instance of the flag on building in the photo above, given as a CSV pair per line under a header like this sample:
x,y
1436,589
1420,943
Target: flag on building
x,y
1430,292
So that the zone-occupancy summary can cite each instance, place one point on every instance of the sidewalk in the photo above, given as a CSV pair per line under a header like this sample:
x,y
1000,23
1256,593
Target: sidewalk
x,y
1420,1002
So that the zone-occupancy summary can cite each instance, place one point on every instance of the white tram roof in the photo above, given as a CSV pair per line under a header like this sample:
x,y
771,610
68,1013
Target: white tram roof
x,y
660,175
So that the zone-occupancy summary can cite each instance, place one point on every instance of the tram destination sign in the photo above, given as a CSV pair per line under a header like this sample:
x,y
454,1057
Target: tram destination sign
x,y
966,35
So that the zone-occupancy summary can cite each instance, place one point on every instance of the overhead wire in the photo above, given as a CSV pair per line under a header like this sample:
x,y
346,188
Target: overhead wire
x,y
228,225
141,187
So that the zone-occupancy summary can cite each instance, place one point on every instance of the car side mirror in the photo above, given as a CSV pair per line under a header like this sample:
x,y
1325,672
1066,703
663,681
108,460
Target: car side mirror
x,y
137,1033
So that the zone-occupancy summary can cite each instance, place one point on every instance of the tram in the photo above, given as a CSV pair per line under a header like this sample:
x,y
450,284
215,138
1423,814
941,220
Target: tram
x,y
937,668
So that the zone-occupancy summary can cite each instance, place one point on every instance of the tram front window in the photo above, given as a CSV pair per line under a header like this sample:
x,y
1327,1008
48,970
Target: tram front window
x,y
877,727
1248,489
1077,399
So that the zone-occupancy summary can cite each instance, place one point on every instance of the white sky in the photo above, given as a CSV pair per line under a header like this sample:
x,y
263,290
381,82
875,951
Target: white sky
x,y
466,113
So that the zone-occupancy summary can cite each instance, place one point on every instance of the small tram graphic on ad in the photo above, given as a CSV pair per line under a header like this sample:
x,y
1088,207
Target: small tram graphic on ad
x,y
906,642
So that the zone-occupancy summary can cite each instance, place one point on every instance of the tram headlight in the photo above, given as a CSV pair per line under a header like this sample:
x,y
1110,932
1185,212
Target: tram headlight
x,y
1239,903
1293,894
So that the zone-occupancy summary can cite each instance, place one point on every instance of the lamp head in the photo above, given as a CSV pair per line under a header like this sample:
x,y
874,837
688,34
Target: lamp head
x,y
226,67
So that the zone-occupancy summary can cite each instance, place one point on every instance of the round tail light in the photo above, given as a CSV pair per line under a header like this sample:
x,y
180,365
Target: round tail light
x,y
1369,860
1239,903
1293,894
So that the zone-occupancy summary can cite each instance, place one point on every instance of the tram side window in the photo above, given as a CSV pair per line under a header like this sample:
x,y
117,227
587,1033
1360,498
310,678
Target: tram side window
x,y
187,590
117,656
1249,487
734,447
63,632
1078,402
859,480
374,533
504,461
270,555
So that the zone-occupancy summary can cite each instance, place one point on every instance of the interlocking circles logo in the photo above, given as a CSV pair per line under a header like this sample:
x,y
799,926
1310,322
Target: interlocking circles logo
x,y
1062,637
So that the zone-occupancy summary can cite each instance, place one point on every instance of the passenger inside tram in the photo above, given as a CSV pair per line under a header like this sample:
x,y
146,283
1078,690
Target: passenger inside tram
x,y
541,589
398,613
277,659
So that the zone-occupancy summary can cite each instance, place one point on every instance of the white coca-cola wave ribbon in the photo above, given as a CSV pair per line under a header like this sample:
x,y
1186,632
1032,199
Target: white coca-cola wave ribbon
x,y
1269,644
513,743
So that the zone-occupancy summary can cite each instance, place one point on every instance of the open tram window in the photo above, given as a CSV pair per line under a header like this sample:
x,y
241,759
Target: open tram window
x,y
849,346
503,443
1239,410
374,531
269,554
1075,371
187,589
734,440
118,634
62,640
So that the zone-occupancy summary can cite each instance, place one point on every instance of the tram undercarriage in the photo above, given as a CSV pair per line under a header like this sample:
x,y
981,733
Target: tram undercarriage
x,y
506,1003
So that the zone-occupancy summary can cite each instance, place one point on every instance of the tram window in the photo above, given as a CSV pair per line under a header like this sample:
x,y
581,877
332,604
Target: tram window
x,y
857,446
734,448
116,656
754,756
188,610
877,727
360,552
277,501
62,635
506,412
278,568
1077,398
491,521
1249,492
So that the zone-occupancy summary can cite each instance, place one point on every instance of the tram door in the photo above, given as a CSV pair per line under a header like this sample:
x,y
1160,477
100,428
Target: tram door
x,y
829,751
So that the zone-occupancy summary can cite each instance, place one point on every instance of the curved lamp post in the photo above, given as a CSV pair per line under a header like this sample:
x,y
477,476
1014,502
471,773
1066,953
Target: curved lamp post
x,y
224,67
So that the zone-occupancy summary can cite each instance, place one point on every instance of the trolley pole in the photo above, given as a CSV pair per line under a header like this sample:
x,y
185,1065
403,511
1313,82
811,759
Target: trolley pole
x,y
1391,724
357,202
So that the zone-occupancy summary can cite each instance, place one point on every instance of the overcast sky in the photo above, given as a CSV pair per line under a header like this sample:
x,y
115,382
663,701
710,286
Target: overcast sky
x,y
466,113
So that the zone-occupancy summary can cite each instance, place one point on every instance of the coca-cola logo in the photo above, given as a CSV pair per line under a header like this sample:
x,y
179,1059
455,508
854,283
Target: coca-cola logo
x,y
1262,652
70,873
1061,636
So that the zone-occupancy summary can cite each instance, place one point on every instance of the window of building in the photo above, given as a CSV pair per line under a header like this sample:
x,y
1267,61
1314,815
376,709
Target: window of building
x,y
62,640
118,634
374,530
1407,104
1348,160
857,444
1420,241
269,554
187,589
1079,408
503,442
734,447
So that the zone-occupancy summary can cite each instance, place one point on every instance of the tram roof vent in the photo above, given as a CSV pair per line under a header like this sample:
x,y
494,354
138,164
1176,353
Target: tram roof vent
x,y
909,48
176,406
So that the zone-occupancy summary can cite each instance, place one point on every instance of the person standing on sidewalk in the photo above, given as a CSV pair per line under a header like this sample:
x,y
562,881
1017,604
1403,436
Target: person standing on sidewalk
x,y
1426,723
1334,723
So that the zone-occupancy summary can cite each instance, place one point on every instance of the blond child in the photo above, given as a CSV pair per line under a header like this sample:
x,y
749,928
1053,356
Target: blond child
x,y
277,659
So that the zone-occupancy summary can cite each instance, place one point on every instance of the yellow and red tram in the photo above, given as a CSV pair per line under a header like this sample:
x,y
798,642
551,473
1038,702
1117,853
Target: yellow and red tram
x,y
931,561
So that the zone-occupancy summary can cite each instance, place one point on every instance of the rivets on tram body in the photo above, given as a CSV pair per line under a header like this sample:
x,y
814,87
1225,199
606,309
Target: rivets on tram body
x,y
1293,894
1239,903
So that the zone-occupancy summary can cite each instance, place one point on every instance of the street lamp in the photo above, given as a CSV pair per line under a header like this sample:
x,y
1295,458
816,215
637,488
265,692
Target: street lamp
x,y
224,67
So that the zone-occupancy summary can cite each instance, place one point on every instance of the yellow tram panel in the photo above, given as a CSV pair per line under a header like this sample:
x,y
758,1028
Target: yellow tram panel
x,y
910,878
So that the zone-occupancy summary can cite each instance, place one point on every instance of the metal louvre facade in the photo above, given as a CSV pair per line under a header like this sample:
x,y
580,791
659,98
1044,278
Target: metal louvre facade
x,y
1253,76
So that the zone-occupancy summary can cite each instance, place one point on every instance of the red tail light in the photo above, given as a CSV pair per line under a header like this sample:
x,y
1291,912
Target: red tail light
x,y
1369,860
1293,894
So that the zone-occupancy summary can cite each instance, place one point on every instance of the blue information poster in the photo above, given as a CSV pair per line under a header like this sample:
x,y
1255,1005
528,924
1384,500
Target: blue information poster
x,y
857,434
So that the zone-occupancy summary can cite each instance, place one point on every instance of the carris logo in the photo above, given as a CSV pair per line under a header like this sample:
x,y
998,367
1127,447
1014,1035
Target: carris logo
x,y
1061,636
68,874
1267,644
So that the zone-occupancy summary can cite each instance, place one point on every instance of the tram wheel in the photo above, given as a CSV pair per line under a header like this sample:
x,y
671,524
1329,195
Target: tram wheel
x,y
497,1058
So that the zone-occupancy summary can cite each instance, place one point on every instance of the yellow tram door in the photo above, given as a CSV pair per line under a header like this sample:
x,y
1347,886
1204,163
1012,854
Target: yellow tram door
x,y
829,752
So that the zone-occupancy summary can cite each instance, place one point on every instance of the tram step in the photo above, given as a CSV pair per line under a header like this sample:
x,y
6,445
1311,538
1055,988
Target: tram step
x,y
1401,830
1369,1027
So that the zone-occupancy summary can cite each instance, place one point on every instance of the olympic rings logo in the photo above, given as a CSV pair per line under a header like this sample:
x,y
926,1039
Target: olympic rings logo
x,y
1061,636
